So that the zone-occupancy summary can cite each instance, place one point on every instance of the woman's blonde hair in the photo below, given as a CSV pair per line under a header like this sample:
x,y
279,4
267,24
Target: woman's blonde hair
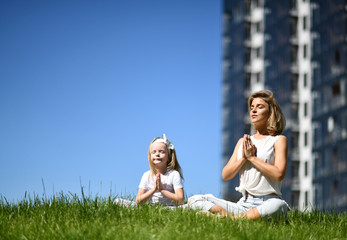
x,y
276,122
173,162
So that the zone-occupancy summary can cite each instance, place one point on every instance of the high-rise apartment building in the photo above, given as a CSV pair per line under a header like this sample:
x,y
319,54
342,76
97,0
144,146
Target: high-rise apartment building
x,y
329,96
297,49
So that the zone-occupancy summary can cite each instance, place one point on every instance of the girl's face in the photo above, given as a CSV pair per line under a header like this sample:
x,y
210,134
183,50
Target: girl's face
x,y
159,155
259,111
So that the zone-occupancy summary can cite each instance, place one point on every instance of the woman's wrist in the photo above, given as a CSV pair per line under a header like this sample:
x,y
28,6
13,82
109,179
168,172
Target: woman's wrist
x,y
251,158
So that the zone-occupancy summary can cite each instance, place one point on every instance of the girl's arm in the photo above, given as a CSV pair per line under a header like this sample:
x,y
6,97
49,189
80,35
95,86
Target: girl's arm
x,y
177,197
233,166
143,195
277,171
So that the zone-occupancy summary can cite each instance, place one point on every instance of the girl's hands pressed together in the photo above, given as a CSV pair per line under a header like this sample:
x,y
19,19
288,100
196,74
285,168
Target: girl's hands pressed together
x,y
158,184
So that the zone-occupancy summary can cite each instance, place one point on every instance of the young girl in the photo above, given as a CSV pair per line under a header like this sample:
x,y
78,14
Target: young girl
x,y
260,160
163,182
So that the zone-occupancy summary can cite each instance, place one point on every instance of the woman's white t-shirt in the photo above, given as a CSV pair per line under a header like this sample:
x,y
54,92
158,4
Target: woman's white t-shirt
x,y
171,181
251,179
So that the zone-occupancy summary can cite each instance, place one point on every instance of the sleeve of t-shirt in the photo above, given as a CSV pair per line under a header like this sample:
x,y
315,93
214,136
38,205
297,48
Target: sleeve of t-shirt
x,y
177,180
144,181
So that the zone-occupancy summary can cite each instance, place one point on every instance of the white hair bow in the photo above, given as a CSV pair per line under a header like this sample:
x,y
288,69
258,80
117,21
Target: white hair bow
x,y
166,141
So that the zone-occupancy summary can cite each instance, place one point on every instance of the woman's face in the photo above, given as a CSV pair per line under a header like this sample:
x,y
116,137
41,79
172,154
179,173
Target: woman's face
x,y
259,111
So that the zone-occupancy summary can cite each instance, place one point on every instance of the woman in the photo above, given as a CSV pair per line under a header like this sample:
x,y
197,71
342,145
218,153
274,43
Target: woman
x,y
260,160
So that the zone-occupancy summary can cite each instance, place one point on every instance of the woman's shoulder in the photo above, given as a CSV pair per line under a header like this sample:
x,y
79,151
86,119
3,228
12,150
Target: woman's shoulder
x,y
281,139
240,141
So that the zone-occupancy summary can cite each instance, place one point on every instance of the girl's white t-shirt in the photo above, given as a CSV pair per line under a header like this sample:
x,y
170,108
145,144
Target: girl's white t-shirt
x,y
171,181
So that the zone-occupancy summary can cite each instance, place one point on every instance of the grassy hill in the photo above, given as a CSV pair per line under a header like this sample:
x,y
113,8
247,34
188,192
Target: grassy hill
x,y
69,217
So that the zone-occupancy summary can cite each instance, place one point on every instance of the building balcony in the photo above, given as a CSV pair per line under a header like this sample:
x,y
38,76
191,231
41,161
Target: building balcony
x,y
294,39
294,68
294,96
255,15
293,124
294,12
295,184
295,154
254,40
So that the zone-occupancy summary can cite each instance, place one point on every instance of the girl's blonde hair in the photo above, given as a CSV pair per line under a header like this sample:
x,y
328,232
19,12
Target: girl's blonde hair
x,y
173,162
276,122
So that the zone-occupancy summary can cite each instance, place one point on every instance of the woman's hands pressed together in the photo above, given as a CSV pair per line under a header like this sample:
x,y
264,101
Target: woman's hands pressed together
x,y
249,149
275,171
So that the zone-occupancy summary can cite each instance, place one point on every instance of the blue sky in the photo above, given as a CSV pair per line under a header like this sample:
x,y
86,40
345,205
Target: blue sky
x,y
86,85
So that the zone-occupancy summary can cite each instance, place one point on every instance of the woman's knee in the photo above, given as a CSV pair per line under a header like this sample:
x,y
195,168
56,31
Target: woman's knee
x,y
273,207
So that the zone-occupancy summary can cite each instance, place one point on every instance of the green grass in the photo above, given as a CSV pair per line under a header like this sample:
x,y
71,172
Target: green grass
x,y
70,217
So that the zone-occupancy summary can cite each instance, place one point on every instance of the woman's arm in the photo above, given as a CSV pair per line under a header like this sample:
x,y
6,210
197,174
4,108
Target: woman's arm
x,y
233,166
277,171
143,195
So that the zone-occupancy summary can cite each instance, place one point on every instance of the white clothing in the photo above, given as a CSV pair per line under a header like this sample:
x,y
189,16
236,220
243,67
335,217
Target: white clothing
x,y
171,181
129,203
254,182
251,179
266,205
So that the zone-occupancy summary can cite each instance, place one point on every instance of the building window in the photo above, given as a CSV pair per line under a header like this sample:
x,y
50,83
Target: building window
x,y
258,27
316,48
294,139
256,3
306,168
294,111
318,165
246,106
305,109
257,51
295,198
316,74
258,77
306,199
336,89
294,54
248,81
295,170
317,134
305,51
293,4
248,6
248,56
337,57
335,186
305,80
248,128
293,26
304,22
247,31
294,82
306,138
